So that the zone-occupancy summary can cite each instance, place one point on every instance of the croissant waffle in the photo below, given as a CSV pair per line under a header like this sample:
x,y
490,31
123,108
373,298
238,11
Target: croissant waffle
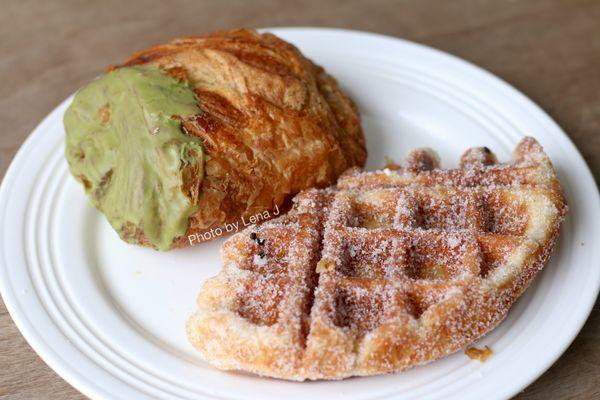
x,y
384,271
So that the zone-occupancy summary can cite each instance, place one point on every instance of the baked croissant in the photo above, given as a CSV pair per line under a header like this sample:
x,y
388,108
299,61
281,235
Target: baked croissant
x,y
189,136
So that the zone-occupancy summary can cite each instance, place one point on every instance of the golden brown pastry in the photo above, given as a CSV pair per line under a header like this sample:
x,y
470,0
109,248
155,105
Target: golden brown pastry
x,y
268,123
384,271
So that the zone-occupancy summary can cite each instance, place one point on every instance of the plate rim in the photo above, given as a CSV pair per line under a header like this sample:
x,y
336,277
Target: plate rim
x,y
92,389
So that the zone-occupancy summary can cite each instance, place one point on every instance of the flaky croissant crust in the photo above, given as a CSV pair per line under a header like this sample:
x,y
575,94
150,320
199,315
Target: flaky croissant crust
x,y
273,123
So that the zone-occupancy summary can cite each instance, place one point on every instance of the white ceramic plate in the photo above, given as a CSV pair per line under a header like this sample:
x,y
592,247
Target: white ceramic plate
x,y
109,317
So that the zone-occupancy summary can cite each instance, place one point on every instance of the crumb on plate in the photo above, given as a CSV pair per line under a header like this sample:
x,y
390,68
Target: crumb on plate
x,y
481,355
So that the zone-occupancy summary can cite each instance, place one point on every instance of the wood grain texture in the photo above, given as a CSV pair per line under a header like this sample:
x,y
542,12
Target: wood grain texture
x,y
548,49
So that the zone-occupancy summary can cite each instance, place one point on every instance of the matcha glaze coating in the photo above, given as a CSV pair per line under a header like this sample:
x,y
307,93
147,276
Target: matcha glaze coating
x,y
125,144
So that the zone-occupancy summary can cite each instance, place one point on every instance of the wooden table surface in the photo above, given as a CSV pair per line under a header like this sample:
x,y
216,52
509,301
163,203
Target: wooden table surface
x,y
550,50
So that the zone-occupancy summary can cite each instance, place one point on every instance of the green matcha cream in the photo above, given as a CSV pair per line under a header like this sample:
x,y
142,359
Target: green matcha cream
x,y
125,146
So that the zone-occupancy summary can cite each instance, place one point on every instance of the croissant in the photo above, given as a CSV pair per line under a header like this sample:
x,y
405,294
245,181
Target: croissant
x,y
197,137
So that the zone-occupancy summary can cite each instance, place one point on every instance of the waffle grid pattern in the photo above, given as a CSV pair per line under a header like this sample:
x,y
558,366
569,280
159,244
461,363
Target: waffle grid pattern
x,y
386,270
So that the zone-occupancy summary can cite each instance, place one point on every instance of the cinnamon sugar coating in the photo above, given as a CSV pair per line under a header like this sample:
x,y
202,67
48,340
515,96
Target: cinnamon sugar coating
x,y
384,271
